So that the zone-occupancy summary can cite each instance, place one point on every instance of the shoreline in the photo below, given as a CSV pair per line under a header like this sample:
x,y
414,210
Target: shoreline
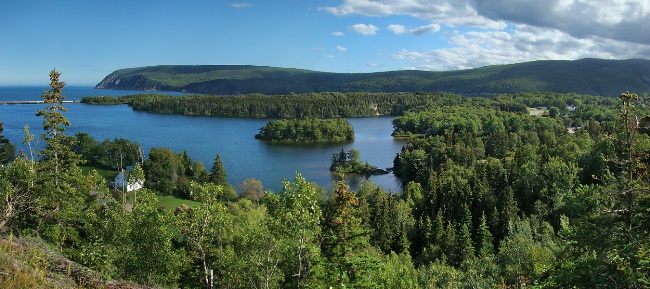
x,y
33,102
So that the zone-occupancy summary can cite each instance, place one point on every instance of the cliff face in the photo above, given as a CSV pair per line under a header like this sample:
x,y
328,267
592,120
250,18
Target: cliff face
x,y
130,82
587,76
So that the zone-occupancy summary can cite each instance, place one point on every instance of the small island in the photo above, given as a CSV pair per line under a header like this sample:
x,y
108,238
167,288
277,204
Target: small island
x,y
350,163
309,130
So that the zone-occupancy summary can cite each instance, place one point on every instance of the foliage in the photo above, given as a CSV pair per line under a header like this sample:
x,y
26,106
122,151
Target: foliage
x,y
203,225
251,188
62,199
16,191
307,130
147,254
295,218
7,150
218,173
350,162
309,105
136,175
390,219
170,173
118,153
351,260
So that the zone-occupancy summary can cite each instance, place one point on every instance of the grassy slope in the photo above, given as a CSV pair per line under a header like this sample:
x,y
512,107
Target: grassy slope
x,y
108,174
167,202
171,202
589,76
31,263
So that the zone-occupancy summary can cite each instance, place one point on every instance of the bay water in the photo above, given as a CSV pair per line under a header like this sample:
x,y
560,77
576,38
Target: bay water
x,y
205,137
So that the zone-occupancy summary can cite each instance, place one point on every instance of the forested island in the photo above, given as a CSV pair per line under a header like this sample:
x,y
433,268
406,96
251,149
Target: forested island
x,y
494,197
307,130
350,163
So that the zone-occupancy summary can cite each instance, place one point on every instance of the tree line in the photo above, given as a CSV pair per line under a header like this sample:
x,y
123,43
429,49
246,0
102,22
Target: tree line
x,y
309,105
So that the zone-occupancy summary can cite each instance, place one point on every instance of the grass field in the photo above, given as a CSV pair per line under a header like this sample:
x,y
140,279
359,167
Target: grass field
x,y
171,202
108,174
537,111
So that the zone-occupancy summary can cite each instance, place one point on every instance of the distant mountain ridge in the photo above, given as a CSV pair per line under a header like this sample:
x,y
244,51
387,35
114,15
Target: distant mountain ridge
x,y
586,76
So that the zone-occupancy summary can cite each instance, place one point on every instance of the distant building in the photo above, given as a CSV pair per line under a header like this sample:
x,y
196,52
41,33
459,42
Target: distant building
x,y
121,181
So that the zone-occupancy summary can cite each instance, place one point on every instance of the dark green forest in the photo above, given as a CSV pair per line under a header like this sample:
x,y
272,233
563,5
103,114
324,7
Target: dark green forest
x,y
310,105
585,76
307,130
494,197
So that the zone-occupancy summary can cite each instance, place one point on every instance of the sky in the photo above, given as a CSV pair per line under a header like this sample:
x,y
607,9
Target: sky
x,y
88,39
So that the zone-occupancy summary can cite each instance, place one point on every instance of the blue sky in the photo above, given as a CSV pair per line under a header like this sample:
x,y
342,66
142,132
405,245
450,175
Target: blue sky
x,y
86,40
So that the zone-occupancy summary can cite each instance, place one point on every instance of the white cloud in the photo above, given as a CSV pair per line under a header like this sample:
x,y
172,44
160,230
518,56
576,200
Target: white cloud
x,y
364,29
508,31
330,56
425,29
447,12
475,49
318,48
240,5
341,48
400,29
396,28
624,20
338,33
374,64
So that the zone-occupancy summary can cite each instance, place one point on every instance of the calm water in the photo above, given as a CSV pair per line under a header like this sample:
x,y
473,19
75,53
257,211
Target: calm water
x,y
204,137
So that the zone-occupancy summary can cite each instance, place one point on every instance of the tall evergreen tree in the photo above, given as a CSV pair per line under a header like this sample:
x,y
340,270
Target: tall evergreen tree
x,y
59,206
346,241
484,239
218,173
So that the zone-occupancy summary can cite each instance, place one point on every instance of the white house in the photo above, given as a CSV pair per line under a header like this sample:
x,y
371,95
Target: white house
x,y
121,181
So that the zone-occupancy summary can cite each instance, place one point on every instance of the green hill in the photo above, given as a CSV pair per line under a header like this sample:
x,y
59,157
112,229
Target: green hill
x,y
588,76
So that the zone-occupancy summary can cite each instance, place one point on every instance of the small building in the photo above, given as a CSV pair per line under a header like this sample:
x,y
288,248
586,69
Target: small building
x,y
121,181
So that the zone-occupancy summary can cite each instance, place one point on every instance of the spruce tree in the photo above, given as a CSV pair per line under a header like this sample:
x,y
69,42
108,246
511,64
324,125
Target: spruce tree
x,y
464,245
218,173
484,239
346,243
59,206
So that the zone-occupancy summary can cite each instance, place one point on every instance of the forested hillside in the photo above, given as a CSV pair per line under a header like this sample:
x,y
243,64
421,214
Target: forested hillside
x,y
587,76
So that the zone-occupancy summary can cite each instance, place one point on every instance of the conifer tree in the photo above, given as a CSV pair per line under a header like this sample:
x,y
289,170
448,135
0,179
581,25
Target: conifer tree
x,y
464,246
60,203
218,173
58,147
484,239
346,241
